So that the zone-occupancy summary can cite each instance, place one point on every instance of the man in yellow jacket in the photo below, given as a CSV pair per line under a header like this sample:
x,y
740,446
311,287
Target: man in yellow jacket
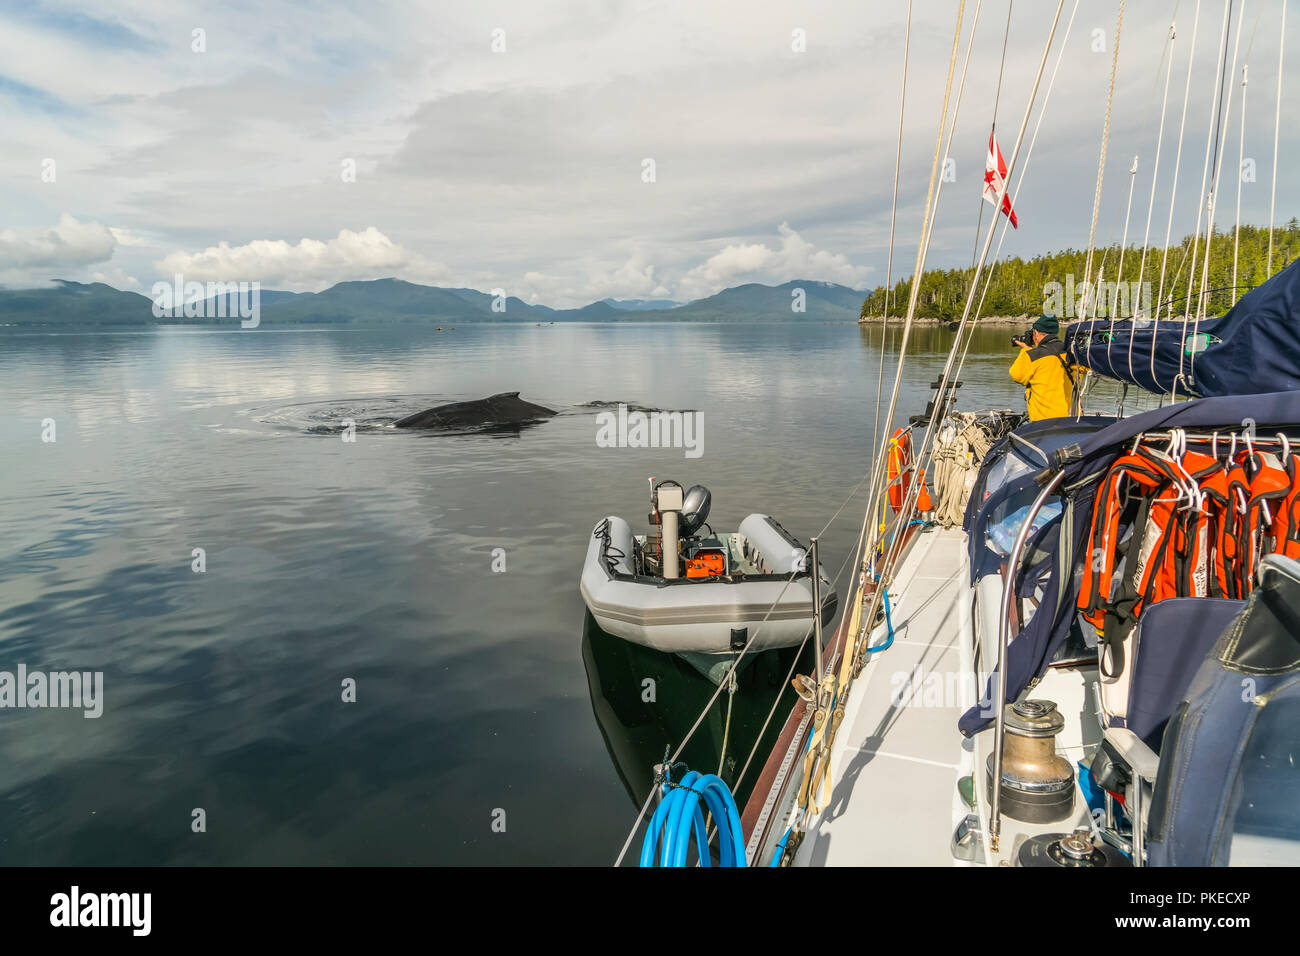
x,y
1043,368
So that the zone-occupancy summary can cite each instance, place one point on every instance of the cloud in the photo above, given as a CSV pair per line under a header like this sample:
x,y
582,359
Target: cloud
x,y
634,279
117,278
523,169
797,258
125,237
658,271
69,245
310,264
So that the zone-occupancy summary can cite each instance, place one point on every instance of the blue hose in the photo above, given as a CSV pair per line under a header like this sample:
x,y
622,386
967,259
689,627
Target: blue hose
x,y
679,816
780,848
890,625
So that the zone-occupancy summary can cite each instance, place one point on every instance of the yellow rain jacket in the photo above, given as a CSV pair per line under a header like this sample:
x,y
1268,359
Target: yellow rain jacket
x,y
1043,370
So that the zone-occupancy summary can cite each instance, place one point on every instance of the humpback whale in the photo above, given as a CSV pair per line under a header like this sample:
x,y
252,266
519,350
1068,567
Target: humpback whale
x,y
506,408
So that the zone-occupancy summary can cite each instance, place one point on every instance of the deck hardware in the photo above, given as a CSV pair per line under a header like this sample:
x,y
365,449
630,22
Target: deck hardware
x,y
1004,638
805,687
968,840
1068,851
1036,784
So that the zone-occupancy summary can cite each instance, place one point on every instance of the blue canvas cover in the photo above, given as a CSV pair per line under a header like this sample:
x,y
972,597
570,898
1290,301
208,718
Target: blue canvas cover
x,y
1032,446
1251,349
1227,762
1084,464
1171,641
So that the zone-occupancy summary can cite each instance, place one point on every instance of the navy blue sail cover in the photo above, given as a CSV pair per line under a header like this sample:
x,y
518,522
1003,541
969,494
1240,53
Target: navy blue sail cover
x,y
1227,763
1251,349
1084,464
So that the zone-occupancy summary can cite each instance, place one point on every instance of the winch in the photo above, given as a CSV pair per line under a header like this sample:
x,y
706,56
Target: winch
x,y
1070,850
1037,783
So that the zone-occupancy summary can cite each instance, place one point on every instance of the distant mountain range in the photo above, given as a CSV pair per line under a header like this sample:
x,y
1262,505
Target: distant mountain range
x,y
641,305
383,301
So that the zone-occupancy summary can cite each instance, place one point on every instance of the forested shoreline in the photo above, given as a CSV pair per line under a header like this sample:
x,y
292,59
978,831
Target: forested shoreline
x,y
1021,287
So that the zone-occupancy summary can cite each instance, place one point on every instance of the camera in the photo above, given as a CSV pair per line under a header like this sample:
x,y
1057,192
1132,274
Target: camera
x,y
1023,339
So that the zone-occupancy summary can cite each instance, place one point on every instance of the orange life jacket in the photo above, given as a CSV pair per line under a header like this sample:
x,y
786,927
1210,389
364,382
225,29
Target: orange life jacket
x,y
1285,537
1220,517
1132,478
1193,549
1270,485
1163,550
1173,547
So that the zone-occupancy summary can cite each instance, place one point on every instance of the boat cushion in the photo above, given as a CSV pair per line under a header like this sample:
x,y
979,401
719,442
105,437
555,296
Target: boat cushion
x,y
1165,650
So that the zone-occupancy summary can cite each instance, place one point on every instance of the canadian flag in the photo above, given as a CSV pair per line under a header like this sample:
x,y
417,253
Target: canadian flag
x,y
995,179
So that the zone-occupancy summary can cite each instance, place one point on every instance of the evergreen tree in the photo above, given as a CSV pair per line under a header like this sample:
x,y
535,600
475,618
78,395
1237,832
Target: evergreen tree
x,y
1019,287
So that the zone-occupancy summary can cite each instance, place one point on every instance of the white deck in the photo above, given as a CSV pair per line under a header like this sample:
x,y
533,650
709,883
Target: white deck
x,y
898,755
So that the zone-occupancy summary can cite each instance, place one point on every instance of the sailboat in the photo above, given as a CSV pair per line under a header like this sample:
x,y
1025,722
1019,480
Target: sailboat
x,y
1088,653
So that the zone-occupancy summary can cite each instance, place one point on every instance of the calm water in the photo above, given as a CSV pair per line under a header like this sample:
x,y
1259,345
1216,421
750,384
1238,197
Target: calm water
x,y
372,560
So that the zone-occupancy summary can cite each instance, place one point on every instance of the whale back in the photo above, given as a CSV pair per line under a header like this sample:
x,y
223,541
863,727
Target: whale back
x,y
504,408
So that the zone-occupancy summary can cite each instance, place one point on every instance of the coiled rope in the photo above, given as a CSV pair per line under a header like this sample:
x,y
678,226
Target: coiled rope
x,y
958,454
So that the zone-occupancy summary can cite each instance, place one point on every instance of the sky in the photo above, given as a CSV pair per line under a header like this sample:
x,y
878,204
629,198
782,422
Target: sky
x,y
574,150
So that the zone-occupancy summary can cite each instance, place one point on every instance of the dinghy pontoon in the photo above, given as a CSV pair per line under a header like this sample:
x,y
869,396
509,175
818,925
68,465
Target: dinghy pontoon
x,y
682,589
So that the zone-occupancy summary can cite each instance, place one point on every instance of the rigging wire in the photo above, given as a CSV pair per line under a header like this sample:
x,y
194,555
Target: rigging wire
x,y
965,320
857,558
1178,159
1241,159
927,224
1155,177
814,782
1090,292
1123,243
893,220
908,510
1155,168
1241,153
1224,120
817,759
1277,129
997,97
1216,169
1205,170
945,148
1015,196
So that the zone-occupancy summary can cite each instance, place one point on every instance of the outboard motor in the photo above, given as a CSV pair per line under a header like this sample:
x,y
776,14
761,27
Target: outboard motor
x,y
695,509
666,511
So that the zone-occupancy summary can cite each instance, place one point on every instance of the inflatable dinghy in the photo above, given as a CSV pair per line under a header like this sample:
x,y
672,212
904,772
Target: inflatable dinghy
x,y
682,590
